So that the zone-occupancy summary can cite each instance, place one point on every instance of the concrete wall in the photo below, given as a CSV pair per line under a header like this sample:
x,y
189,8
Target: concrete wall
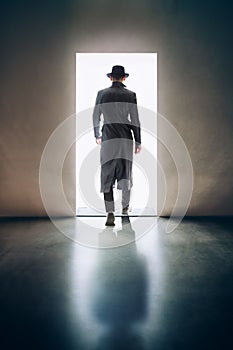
x,y
37,66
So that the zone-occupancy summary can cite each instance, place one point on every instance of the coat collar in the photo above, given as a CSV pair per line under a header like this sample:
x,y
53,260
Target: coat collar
x,y
118,84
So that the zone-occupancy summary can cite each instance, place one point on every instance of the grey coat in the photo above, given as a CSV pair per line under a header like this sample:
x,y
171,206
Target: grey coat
x,y
118,106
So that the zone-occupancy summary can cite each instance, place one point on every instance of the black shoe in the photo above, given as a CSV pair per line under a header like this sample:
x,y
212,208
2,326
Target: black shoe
x,y
110,220
125,210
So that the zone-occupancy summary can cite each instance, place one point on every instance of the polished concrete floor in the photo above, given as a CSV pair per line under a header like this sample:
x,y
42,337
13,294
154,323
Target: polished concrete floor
x,y
123,289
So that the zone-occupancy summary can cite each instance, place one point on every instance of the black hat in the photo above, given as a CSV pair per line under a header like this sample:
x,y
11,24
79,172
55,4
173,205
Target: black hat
x,y
118,70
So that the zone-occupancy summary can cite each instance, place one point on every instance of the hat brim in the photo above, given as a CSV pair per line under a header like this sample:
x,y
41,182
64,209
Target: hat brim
x,y
109,74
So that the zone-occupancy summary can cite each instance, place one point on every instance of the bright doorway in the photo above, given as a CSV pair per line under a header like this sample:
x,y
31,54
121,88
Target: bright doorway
x,y
91,70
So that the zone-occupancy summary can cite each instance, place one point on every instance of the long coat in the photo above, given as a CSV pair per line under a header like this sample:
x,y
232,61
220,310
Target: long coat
x,y
118,106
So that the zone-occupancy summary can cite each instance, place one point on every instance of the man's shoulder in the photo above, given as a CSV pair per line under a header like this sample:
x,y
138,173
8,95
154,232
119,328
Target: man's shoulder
x,y
130,92
102,90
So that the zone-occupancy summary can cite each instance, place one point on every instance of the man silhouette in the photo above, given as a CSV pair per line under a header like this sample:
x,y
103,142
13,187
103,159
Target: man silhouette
x,y
118,106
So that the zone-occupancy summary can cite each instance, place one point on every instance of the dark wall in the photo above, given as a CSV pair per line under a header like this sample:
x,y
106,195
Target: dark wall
x,y
37,65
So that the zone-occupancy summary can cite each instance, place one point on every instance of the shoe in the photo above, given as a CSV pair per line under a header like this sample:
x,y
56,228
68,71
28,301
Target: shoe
x,y
125,210
110,220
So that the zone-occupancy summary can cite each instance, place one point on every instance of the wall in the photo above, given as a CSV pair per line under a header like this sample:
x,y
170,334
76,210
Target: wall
x,y
37,66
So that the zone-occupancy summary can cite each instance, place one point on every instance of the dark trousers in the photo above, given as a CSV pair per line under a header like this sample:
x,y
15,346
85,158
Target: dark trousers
x,y
109,200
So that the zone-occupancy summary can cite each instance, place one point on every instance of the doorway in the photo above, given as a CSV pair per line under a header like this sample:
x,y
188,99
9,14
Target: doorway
x,y
91,70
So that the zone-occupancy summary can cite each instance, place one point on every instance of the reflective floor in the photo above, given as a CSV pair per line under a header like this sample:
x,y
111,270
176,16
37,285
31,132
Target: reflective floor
x,y
146,211
128,291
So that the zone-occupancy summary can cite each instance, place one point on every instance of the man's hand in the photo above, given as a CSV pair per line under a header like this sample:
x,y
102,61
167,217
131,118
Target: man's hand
x,y
137,149
98,141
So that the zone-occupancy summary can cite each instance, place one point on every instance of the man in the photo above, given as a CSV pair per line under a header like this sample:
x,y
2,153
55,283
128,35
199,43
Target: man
x,y
117,104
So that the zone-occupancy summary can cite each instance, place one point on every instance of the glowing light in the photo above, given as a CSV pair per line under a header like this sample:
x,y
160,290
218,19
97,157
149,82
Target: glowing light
x,y
91,70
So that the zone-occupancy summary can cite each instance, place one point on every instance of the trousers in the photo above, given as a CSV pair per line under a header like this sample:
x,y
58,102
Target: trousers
x,y
109,200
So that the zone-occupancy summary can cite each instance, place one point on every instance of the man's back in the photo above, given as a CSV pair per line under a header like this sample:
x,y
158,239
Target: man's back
x,y
118,106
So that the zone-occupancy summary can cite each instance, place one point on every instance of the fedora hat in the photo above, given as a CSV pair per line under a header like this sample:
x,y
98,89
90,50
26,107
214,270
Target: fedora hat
x,y
118,70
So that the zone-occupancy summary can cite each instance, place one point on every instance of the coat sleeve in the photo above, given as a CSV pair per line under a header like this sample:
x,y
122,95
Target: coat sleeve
x,y
135,122
96,116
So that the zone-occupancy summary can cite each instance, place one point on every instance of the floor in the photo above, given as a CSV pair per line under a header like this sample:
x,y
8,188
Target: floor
x,y
71,284
85,211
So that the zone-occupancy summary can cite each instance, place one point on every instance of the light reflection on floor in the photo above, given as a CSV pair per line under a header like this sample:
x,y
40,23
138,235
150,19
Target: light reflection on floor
x,y
159,291
113,287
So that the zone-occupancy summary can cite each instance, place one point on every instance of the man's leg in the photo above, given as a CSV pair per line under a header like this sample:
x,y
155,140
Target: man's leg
x,y
125,201
109,201
110,207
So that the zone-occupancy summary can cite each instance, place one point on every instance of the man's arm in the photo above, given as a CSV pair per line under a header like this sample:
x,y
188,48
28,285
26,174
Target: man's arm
x,y
134,117
96,117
